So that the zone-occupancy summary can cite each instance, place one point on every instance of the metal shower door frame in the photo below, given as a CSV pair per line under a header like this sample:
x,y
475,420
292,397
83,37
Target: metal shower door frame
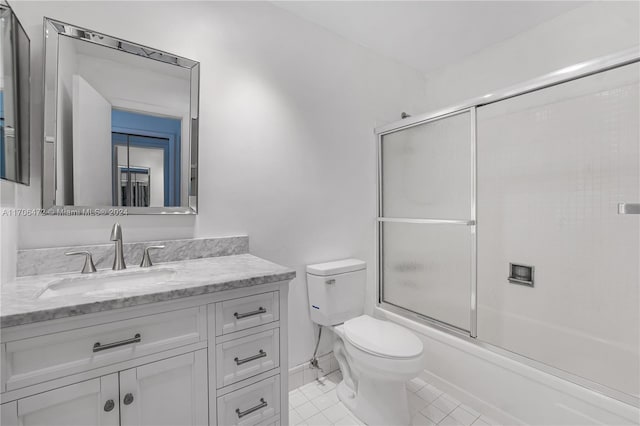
x,y
380,220
564,75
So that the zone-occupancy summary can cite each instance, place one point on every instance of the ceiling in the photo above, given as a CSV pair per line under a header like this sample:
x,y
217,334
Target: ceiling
x,y
427,35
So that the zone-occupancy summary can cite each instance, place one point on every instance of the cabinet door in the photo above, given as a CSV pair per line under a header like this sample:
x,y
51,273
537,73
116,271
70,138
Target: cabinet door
x,y
169,392
93,402
9,414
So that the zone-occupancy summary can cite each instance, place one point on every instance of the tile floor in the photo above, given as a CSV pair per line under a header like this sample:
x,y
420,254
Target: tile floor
x,y
317,403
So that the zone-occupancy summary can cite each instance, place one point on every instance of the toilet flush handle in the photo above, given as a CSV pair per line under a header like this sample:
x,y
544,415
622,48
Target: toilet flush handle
x,y
330,281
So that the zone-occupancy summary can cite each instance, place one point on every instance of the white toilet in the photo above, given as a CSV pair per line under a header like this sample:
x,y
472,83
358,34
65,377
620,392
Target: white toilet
x,y
376,357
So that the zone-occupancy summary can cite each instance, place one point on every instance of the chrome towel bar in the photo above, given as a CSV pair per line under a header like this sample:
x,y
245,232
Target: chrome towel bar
x,y
629,208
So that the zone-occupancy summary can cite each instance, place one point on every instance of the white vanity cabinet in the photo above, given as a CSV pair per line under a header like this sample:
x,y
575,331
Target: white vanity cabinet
x,y
172,391
202,360
79,404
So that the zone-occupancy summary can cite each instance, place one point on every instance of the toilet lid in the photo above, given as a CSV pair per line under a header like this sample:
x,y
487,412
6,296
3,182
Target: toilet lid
x,y
382,338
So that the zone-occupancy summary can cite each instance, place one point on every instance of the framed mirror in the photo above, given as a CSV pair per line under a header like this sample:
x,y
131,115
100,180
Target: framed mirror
x,y
14,98
121,126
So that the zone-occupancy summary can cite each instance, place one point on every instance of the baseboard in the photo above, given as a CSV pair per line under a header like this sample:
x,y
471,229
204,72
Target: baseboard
x,y
303,373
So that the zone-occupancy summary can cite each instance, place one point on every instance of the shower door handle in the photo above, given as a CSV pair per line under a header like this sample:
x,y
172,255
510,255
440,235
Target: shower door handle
x,y
629,208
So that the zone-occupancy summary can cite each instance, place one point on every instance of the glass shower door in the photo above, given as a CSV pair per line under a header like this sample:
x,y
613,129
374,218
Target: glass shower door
x,y
426,220
553,167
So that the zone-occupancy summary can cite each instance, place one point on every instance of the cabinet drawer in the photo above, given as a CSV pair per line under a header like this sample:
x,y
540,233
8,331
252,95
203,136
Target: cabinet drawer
x,y
250,405
37,359
242,358
245,312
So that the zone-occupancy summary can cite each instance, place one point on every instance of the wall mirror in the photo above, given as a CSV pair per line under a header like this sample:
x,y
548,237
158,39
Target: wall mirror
x,y
121,126
14,98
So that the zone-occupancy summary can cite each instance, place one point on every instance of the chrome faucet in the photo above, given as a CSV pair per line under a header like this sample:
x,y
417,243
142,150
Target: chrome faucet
x,y
118,260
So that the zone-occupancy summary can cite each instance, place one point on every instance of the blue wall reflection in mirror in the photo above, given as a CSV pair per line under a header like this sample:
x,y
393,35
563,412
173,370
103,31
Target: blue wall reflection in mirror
x,y
136,134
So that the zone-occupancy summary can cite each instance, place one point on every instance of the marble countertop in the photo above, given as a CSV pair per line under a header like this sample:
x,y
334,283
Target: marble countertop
x,y
45,297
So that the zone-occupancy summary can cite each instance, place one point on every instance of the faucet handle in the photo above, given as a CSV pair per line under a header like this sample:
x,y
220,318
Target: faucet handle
x,y
116,232
88,267
146,259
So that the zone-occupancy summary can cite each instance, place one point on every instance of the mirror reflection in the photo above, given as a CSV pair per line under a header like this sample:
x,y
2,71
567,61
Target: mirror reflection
x,y
151,143
14,98
126,123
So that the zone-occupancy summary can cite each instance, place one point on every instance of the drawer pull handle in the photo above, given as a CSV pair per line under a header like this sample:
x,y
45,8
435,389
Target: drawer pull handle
x,y
260,406
259,355
109,405
260,310
97,347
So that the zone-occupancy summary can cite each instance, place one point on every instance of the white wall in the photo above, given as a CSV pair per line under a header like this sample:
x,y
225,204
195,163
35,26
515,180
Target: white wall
x,y
92,152
287,152
68,61
8,232
587,32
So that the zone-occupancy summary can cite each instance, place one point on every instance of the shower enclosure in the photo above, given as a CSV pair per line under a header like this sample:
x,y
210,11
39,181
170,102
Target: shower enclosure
x,y
427,196
505,220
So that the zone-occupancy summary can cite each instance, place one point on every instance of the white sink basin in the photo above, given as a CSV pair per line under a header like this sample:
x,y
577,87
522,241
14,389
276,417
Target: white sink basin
x,y
106,283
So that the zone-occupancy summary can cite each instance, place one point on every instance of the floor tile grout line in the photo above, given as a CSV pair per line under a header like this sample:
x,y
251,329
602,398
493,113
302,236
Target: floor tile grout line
x,y
323,387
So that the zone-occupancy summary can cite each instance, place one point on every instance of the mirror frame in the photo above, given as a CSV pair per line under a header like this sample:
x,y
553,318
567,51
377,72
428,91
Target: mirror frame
x,y
53,30
21,64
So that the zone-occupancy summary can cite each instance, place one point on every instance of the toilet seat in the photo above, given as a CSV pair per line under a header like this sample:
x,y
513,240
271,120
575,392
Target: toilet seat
x,y
382,338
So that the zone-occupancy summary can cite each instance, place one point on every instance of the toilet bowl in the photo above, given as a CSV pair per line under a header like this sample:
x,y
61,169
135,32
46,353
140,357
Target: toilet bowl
x,y
376,357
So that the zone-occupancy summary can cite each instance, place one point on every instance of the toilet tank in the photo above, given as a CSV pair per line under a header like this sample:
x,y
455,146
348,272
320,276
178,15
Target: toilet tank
x,y
336,290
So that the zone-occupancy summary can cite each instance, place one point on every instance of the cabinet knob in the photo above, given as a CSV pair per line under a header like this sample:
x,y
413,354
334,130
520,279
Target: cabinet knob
x,y
109,405
128,399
